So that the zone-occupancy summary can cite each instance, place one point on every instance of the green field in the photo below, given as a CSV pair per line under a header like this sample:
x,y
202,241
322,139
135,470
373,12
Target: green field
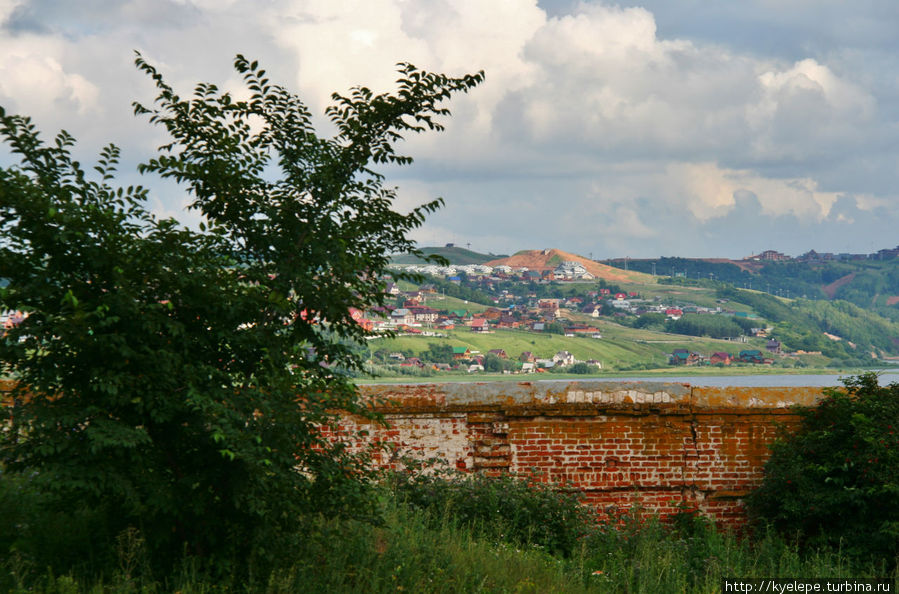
x,y
620,347
444,302
660,374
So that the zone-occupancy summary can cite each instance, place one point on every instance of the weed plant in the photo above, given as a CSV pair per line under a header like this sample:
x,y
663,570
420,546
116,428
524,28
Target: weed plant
x,y
452,534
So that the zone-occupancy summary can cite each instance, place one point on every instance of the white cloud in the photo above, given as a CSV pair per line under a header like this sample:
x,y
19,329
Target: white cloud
x,y
7,7
709,190
32,77
594,121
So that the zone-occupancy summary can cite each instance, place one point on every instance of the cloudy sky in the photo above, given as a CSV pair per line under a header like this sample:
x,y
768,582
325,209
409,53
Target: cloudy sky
x,y
641,129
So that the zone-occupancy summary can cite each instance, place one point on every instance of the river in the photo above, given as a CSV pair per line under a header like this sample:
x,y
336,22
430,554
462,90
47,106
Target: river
x,y
761,381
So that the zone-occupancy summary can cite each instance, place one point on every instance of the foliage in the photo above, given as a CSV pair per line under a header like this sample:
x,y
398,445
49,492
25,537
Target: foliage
x,y
175,381
554,328
454,255
582,368
438,353
704,325
425,550
494,363
465,289
852,323
516,510
650,321
801,324
835,480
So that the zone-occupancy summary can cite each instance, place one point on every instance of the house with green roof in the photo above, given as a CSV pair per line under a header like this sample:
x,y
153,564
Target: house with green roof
x,y
751,356
461,352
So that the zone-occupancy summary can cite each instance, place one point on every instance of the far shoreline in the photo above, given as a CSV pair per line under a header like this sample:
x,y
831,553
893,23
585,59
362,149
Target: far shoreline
x,y
636,375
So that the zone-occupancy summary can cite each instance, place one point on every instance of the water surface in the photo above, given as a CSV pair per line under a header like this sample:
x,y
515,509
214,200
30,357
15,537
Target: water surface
x,y
758,381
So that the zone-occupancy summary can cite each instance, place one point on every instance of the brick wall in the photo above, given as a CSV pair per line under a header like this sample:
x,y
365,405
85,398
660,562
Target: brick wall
x,y
659,445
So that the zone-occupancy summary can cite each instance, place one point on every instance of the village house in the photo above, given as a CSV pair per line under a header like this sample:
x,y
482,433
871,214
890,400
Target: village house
x,y
769,256
721,358
570,270
480,325
501,353
507,321
492,314
592,310
548,305
564,358
461,353
402,316
684,357
527,357
423,314
773,346
751,356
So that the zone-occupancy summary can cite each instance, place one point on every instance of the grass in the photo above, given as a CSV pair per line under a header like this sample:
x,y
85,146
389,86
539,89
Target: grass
x,y
444,302
619,348
660,374
427,549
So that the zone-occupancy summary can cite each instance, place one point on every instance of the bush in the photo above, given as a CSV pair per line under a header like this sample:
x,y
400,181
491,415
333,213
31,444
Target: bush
x,y
582,368
504,508
176,381
835,480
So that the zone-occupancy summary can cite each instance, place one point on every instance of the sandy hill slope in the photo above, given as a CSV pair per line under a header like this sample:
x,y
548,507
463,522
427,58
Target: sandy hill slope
x,y
541,260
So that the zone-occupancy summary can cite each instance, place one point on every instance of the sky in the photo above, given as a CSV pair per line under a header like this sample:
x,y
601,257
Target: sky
x,y
638,129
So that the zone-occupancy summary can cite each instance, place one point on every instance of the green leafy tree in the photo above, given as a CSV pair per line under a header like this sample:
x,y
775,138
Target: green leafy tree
x,y
554,328
835,479
582,368
180,380
439,353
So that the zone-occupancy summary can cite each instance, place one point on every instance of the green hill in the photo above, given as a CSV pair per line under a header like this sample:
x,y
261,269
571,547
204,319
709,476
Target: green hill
x,y
455,255
839,329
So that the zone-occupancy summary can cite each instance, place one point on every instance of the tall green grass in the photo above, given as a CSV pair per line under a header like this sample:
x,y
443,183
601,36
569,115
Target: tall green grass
x,y
455,535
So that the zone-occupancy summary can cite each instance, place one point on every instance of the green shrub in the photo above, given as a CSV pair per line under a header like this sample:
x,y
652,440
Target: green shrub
x,y
503,508
172,382
835,480
582,368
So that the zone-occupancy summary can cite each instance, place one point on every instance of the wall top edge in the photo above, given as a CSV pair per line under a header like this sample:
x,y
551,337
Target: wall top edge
x,y
554,393
603,393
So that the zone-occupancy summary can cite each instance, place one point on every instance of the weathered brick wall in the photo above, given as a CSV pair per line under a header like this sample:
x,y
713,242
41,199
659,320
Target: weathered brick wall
x,y
659,445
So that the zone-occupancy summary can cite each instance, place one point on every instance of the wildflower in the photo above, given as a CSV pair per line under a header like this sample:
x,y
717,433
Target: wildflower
x,y
599,572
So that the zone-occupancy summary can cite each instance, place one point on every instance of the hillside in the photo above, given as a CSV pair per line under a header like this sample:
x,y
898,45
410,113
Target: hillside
x,y
543,260
868,283
621,348
455,255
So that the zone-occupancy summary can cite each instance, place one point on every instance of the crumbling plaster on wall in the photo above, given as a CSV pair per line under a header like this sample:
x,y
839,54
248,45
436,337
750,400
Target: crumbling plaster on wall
x,y
658,445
